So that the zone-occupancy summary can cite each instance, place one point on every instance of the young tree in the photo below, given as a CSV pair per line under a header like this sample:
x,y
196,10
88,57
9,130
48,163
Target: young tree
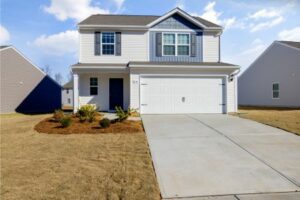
x,y
58,78
47,70
70,76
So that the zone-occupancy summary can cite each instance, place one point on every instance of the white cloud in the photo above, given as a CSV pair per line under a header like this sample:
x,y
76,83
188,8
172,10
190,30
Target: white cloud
x,y
4,35
230,23
210,13
70,9
58,44
267,24
266,18
264,13
214,16
119,3
180,4
292,34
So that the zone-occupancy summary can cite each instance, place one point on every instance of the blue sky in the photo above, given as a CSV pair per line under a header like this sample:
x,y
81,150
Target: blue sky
x,y
45,30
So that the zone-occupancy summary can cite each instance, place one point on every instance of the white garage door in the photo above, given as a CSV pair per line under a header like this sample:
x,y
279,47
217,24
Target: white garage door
x,y
171,95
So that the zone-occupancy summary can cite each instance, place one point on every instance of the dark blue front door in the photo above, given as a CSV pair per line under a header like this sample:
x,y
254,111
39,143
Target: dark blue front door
x,y
115,93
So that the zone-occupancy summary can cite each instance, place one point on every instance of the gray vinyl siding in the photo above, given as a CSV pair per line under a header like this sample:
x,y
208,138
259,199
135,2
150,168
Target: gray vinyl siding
x,y
197,58
18,78
176,22
25,88
278,64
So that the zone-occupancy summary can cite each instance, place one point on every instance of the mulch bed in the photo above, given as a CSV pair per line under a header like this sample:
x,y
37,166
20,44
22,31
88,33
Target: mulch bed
x,y
48,125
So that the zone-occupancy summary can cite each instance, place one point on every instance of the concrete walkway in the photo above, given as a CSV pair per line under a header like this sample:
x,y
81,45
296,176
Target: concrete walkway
x,y
201,155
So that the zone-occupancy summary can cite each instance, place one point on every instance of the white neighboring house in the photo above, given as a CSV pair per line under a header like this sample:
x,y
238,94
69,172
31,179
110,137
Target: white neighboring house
x,y
67,95
156,64
274,77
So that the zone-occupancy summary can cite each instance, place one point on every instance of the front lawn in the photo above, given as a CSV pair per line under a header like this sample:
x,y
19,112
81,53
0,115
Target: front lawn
x,y
286,119
74,166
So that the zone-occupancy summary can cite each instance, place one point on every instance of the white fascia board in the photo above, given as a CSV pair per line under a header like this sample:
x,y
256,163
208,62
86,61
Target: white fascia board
x,y
186,67
180,12
95,69
110,27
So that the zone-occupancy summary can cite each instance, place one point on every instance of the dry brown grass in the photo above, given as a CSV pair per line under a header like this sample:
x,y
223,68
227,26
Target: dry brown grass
x,y
76,166
49,126
285,118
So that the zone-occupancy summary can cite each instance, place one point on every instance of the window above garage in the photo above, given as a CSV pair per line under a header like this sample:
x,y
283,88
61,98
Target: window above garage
x,y
176,44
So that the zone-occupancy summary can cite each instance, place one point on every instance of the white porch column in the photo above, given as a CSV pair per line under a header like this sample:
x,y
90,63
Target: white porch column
x,y
75,92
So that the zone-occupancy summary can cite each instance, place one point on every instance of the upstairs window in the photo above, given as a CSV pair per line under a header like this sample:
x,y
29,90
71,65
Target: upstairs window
x,y
275,90
93,86
183,41
108,43
169,45
176,44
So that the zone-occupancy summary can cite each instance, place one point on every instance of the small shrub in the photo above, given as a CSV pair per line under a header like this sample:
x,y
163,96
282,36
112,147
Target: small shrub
x,y
58,115
87,112
122,115
82,118
105,123
65,122
91,118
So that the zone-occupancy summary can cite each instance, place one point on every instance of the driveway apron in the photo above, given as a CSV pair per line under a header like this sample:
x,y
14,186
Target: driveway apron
x,y
199,155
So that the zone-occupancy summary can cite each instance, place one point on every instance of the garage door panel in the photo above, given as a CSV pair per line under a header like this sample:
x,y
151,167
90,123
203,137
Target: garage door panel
x,y
181,95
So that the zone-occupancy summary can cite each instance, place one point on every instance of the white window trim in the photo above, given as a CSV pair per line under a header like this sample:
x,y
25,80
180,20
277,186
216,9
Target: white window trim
x,y
94,86
176,43
101,46
276,90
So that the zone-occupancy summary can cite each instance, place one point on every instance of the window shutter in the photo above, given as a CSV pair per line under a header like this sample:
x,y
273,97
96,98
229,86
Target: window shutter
x,y
193,45
118,43
97,43
158,41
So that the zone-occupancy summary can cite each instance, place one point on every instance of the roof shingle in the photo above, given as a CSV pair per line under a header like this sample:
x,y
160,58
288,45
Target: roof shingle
x,y
131,20
291,43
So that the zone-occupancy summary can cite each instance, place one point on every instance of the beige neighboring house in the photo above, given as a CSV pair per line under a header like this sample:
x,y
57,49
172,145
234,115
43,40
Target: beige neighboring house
x,y
67,95
25,88
273,79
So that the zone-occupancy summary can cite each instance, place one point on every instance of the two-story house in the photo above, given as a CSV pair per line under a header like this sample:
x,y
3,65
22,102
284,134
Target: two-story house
x,y
156,64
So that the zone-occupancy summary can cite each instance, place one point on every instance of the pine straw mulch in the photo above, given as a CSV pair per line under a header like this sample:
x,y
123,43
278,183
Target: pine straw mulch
x,y
48,125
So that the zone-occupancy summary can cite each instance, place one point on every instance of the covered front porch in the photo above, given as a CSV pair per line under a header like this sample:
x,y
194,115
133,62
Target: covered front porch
x,y
105,86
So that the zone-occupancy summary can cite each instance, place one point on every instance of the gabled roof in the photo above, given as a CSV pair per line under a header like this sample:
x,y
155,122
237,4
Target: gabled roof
x,y
291,43
145,21
129,20
4,46
68,85
8,47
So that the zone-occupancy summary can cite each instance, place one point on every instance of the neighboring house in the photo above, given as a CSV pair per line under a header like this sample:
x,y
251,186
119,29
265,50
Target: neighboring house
x,y
24,87
67,95
155,64
273,79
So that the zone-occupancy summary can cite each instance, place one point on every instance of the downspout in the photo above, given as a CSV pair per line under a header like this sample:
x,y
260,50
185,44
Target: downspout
x,y
234,76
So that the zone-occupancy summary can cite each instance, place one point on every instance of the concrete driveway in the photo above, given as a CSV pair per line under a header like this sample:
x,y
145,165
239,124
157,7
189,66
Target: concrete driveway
x,y
200,155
